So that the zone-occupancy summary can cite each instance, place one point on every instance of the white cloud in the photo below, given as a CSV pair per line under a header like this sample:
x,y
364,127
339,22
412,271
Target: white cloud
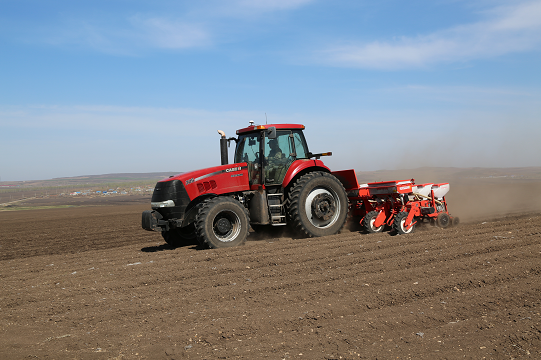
x,y
508,29
524,16
136,34
206,23
270,5
196,25
172,34
141,120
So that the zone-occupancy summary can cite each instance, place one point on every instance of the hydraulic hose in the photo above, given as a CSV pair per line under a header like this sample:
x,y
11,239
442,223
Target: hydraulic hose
x,y
428,197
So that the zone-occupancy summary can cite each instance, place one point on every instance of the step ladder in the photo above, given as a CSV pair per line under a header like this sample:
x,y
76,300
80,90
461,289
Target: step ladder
x,y
276,209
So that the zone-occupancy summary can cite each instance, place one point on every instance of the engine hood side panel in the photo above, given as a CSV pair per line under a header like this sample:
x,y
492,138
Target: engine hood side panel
x,y
216,180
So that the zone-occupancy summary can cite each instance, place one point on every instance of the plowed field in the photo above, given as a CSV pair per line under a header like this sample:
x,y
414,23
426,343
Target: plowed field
x,y
89,283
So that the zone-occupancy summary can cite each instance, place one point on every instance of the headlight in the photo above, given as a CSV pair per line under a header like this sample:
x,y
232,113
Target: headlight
x,y
162,204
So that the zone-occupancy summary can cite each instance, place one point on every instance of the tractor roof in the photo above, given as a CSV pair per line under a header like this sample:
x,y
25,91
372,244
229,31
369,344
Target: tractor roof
x,y
263,127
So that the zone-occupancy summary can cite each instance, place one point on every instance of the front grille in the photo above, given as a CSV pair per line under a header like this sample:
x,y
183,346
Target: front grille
x,y
171,190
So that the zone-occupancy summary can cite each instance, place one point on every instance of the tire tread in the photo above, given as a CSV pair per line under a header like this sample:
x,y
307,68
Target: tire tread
x,y
202,215
294,207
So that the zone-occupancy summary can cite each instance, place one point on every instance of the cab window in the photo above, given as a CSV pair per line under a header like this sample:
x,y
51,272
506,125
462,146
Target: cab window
x,y
247,149
278,157
300,145
279,148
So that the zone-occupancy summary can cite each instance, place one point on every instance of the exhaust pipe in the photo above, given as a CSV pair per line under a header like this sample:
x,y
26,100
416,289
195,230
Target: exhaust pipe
x,y
223,148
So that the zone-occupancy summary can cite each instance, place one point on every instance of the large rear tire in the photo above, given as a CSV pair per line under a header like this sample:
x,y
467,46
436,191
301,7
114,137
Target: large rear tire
x,y
318,204
369,220
222,222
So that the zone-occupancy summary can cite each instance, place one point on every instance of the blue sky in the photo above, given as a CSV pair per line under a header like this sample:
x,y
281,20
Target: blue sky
x,y
96,87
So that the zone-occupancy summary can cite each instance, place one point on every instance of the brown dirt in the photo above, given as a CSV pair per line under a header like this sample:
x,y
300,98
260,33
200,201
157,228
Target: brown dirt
x,y
89,283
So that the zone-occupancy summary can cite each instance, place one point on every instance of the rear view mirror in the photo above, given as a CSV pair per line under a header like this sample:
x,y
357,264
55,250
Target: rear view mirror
x,y
271,132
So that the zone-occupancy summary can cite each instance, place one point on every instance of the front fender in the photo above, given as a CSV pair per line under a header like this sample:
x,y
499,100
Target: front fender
x,y
193,209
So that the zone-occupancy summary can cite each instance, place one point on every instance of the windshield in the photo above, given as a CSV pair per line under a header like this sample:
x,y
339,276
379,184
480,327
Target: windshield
x,y
248,146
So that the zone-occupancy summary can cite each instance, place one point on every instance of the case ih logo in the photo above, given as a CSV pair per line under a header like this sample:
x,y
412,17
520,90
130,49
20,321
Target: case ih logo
x,y
405,187
233,169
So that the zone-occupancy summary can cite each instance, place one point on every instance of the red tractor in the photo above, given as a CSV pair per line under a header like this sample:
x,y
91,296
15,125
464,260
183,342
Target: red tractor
x,y
274,181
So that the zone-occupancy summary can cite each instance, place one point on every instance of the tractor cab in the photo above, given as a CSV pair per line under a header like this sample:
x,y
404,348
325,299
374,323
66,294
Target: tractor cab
x,y
269,151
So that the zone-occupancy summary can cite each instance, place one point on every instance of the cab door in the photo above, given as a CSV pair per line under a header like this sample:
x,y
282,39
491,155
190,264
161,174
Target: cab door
x,y
279,154
248,150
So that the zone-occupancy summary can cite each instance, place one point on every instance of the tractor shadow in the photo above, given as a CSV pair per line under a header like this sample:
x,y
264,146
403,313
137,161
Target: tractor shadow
x,y
167,247
273,233
268,233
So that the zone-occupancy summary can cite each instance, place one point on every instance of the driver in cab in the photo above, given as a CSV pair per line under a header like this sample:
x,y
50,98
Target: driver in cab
x,y
275,161
275,151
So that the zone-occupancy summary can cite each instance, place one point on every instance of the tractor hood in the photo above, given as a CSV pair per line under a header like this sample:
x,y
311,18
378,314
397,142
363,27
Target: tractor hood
x,y
214,180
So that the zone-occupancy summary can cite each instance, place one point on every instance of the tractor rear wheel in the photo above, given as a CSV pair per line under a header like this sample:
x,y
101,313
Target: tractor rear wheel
x,y
222,222
317,204
180,236
369,220
399,224
443,220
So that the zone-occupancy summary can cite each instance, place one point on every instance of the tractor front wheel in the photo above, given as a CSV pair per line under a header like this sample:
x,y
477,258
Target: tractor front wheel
x,y
222,222
318,205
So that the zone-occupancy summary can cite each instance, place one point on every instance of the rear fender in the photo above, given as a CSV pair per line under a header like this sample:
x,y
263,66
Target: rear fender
x,y
300,167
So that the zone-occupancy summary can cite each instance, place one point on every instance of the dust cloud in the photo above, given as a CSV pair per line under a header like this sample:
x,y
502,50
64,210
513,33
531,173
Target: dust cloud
x,y
476,193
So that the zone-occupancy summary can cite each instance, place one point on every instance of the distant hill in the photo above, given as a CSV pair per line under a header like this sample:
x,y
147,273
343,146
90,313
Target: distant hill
x,y
118,177
89,180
